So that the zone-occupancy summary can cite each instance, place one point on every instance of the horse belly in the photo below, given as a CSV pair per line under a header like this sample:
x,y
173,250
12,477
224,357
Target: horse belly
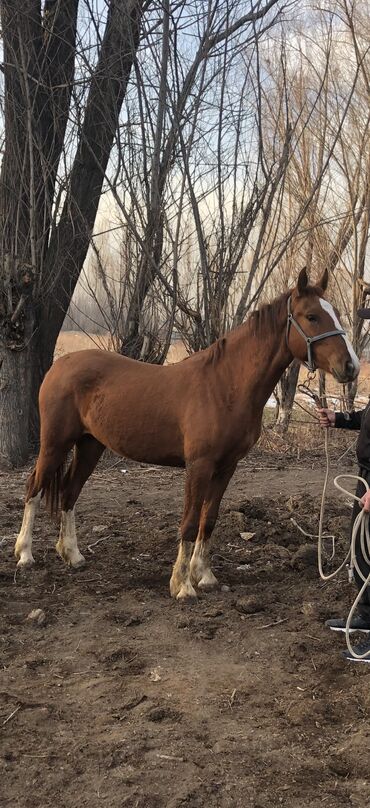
x,y
138,431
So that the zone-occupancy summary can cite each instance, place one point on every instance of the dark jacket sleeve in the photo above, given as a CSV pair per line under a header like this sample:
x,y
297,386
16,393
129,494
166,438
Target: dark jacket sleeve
x,y
349,420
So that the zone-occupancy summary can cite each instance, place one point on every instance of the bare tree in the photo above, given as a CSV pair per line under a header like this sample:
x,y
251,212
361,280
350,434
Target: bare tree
x,y
56,105
186,68
334,230
257,225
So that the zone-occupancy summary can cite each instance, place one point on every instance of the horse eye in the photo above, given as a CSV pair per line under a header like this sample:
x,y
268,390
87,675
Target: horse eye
x,y
312,318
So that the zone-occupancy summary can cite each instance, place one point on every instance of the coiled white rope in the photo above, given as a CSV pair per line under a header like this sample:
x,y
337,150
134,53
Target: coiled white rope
x,y
361,526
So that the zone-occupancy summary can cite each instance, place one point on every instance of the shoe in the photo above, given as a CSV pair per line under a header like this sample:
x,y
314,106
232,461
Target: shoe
x,y
362,648
358,624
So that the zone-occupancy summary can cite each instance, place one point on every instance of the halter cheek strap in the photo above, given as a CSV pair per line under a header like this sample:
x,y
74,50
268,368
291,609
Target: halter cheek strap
x,y
310,364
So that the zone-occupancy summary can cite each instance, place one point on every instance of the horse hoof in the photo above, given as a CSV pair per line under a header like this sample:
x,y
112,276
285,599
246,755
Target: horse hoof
x,y
79,564
187,592
73,559
208,582
25,564
180,589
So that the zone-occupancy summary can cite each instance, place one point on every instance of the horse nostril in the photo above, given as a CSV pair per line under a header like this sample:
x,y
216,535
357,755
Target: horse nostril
x,y
350,368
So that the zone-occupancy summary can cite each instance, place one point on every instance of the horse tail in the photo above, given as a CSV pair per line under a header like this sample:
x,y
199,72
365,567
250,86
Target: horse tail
x,y
31,485
50,487
52,490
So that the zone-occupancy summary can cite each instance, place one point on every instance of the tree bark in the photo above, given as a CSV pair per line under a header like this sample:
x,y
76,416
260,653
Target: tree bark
x,y
17,365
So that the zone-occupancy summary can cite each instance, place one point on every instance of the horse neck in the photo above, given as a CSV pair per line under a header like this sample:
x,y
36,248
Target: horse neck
x,y
257,362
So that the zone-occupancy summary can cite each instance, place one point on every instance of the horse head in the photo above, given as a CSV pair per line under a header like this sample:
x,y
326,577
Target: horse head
x,y
315,335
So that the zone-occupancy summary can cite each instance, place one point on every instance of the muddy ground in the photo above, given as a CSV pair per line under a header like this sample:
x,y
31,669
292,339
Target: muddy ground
x,y
123,697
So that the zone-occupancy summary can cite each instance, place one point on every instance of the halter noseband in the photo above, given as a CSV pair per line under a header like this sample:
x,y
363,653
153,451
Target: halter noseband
x,y
310,364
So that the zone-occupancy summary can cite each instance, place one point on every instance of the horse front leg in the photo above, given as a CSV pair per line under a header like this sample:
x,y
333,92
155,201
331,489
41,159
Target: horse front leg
x,y
200,569
198,478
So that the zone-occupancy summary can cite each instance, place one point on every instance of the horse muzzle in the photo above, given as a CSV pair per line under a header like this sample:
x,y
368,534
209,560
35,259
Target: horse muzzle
x,y
347,373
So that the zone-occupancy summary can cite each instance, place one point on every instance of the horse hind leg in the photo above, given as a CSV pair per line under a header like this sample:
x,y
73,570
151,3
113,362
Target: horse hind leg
x,y
23,545
87,452
40,480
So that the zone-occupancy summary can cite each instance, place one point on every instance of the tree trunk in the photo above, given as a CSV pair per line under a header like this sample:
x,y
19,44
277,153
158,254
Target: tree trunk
x,y
277,408
70,240
14,404
287,387
43,348
16,372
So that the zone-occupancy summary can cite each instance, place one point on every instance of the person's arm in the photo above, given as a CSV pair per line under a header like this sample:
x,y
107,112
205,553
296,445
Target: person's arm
x,y
341,420
349,420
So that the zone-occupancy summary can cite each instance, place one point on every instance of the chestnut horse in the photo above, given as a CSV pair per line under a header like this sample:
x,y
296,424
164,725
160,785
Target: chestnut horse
x,y
203,413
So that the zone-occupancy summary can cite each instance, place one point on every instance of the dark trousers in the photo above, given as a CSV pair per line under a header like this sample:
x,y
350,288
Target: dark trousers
x,y
364,605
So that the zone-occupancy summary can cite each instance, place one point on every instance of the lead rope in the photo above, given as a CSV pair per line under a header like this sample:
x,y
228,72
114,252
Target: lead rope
x,y
320,536
360,525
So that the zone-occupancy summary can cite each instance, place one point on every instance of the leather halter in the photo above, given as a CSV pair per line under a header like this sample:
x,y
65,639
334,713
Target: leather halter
x,y
310,364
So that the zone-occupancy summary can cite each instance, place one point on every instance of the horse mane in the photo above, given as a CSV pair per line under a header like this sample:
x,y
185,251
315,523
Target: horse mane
x,y
268,318
265,320
216,351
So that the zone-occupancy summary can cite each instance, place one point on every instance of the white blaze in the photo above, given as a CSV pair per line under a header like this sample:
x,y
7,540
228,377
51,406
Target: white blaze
x,y
329,309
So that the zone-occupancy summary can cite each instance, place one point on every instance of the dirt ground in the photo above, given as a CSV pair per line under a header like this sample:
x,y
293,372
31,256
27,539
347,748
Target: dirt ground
x,y
124,697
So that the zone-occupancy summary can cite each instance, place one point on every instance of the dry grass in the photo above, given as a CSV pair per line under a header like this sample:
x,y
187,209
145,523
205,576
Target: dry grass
x,y
71,341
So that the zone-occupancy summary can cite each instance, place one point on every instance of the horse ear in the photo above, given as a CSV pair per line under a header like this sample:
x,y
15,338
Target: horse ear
x,y
324,281
302,281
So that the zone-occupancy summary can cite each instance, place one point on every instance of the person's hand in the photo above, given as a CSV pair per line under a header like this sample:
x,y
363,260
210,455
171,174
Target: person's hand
x,y
365,502
326,418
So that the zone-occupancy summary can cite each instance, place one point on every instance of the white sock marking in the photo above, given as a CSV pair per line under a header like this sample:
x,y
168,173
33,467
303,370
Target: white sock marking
x,y
200,569
67,544
199,564
23,545
180,579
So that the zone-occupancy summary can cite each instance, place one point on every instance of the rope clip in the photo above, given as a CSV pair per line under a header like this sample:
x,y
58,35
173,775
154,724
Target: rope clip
x,y
303,388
